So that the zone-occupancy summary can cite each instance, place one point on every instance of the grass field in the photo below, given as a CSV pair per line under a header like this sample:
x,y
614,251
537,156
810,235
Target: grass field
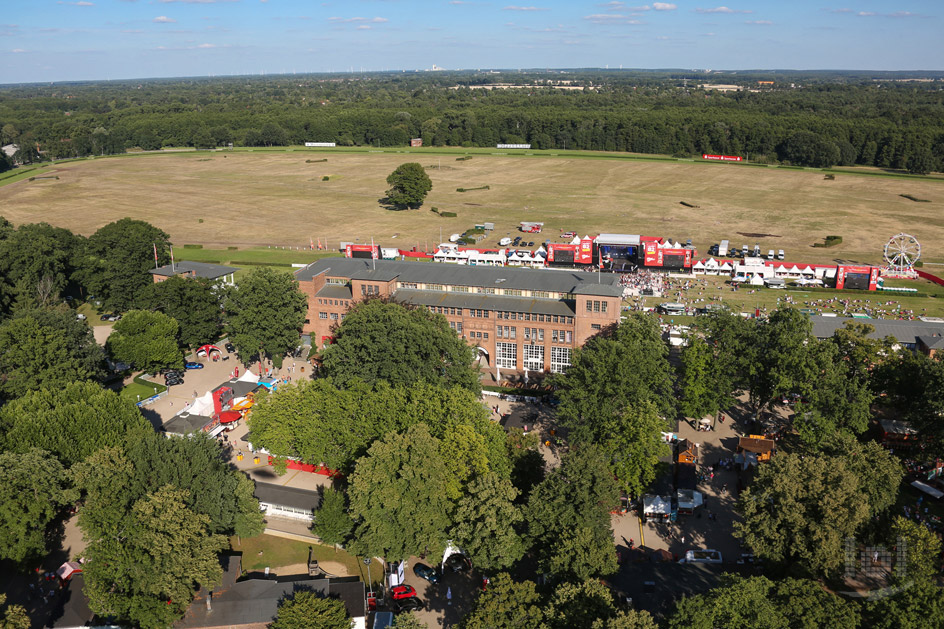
x,y
262,198
270,551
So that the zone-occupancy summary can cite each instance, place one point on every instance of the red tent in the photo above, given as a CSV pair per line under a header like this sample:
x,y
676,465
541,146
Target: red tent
x,y
228,417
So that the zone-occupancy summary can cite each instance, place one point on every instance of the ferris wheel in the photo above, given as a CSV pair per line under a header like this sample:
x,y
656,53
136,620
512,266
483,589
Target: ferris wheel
x,y
902,251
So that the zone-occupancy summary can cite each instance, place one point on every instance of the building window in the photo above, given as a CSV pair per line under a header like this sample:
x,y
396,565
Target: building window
x,y
512,292
560,359
514,331
336,280
409,285
541,335
435,287
589,306
543,294
596,306
596,326
603,306
485,336
534,357
506,355
459,327
322,315
485,290
460,289
568,336
334,316
486,313
307,321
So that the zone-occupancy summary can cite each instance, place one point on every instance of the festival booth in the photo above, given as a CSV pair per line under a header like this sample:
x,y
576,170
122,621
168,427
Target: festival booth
x,y
210,351
688,500
656,507
67,570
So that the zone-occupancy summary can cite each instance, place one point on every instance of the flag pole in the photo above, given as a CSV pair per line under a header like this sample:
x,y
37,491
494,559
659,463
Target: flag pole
x,y
155,255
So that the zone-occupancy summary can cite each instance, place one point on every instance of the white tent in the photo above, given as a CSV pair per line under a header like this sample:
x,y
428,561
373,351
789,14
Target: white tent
x,y
203,405
656,506
725,266
248,376
689,500
698,266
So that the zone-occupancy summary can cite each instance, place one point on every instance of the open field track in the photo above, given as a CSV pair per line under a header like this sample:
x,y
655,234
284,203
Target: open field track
x,y
259,198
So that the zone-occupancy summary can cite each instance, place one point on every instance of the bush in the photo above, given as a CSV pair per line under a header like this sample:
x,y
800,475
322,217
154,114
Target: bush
x,y
434,210
471,189
829,177
462,159
832,241
193,246
315,161
326,178
466,241
229,248
448,214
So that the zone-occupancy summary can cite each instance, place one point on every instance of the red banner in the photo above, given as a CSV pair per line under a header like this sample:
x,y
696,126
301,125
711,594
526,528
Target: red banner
x,y
721,158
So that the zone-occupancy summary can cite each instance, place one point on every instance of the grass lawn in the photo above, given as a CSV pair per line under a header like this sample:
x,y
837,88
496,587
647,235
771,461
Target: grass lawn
x,y
256,198
258,255
142,388
92,314
278,551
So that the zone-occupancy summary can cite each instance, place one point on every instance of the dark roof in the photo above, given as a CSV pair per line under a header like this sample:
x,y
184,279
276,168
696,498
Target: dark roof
x,y
334,291
256,601
902,331
72,609
484,302
932,342
569,281
287,496
200,269
240,387
185,423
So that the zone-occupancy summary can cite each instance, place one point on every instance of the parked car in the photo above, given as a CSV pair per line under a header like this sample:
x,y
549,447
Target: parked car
x,y
457,562
173,381
407,604
174,373
230,348
399,592
80,317
192,365
106,317
531,244
425,572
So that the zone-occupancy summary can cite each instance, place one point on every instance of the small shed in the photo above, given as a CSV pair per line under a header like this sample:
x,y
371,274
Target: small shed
x,y
758,445
687,451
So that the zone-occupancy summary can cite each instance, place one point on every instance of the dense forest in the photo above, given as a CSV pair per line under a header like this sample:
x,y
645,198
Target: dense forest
x,y
809,119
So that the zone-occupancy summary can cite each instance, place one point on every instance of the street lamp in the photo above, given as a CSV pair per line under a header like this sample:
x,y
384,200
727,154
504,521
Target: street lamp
x,y
370,583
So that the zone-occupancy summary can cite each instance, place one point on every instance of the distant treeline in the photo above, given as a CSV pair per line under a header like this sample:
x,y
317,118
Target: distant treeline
x,y
807,119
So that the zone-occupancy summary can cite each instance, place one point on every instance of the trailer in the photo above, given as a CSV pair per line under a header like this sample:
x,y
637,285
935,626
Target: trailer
x,y
723,248
531,228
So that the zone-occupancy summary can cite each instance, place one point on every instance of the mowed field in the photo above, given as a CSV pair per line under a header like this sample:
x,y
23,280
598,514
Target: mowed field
x,y
261,198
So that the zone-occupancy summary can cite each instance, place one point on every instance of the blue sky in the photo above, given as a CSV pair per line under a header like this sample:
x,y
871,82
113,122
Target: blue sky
x,y
55,40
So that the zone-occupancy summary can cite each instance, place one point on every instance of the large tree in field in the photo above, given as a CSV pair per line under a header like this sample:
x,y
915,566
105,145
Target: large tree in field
x,y
409,185
265,312
192,302
698,391
147,340
117,259
70,422
147,571
801,509
396,497
568,516
307,610
38,259
486,521
33,489
401,345
34,355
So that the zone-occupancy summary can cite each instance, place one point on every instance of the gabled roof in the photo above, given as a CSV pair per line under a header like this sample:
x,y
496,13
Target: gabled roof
x,y
460,275
757,446
287,496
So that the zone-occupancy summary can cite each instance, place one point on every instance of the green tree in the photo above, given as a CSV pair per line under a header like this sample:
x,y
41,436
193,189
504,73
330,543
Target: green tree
x,y
409,186
33,490
612,372
628,619
879,472
914,384
578,495
147,340
332,522
921,162
13,616
758,602
396,496
801,509
400,345
486,520
39,259
193,302
118,258
918,607
33,356
147,570
635,446
408,620
70,422
265,313
579,604
506,604
924,550
307,610
698,392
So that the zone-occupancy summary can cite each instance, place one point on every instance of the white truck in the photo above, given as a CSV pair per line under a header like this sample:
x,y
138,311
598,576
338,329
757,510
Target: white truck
x,y
723,248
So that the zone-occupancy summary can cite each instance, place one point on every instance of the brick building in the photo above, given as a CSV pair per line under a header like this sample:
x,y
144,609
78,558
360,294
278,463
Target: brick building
x,y
216,273
517,318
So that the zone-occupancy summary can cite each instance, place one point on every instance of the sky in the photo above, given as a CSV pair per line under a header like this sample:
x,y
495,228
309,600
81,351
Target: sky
x,y
67,40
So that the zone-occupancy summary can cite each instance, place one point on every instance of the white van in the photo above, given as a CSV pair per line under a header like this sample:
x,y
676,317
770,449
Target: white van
x,y
504,242
780,255
770,254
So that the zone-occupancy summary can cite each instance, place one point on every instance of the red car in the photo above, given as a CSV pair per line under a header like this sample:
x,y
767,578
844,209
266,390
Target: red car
x,y
400,592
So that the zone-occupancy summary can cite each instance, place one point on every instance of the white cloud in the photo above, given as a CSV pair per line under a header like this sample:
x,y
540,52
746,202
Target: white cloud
x,y
514,8
759,22
197,1
664,6
348,20
163,19
604,17
612,6
721,10
82,3
207,46
866,14
364,27
17,50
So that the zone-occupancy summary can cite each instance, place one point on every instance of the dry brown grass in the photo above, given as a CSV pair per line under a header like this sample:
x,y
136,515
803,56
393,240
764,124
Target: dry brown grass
x,y
251,199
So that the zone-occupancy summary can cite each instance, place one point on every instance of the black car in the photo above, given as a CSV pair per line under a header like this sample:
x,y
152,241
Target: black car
x,y
407,604
230,348
458,562
425,572
172,382
530,244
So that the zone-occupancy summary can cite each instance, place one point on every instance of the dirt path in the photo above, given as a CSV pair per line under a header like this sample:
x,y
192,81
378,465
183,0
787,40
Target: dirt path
x,y
333,568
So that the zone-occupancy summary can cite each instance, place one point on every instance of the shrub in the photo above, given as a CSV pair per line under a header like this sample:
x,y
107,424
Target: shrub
x,y
462,159
229,248
193,246
832,241
315,161
471,189
448,214
829,177
326,178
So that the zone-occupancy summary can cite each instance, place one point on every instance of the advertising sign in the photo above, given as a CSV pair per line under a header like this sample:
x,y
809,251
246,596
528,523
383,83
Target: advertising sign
x,y
721,158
